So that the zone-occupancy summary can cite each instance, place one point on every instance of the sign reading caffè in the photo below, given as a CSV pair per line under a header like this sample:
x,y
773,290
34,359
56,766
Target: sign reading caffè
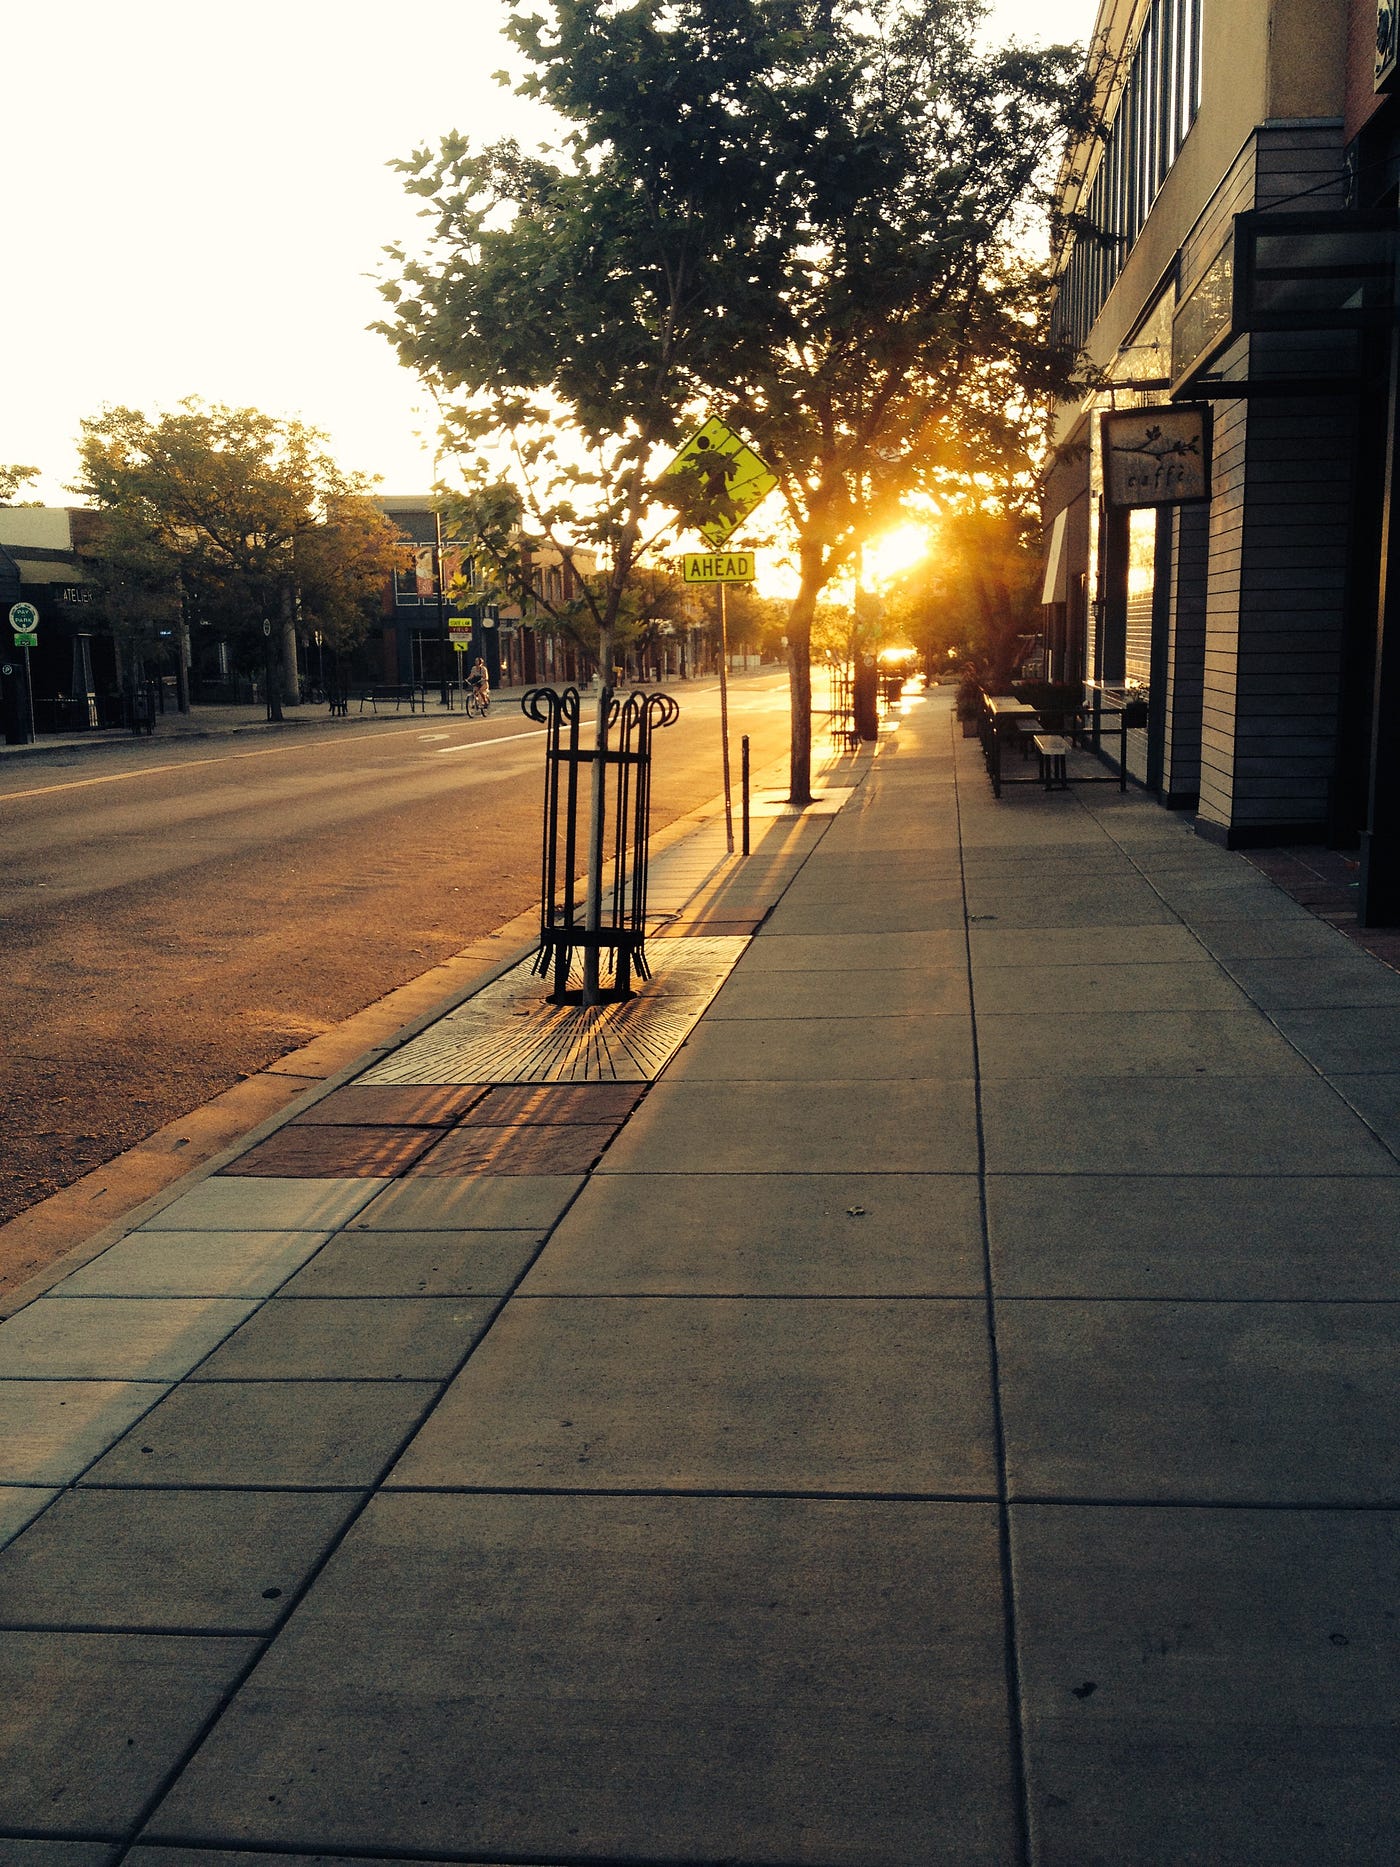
x,y
1156,456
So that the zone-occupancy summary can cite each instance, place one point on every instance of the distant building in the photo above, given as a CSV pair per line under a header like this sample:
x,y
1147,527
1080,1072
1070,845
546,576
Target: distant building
x,y
1228,271
517,650
73,671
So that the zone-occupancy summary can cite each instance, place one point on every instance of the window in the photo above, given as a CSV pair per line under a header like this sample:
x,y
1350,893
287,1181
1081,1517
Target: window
x,y
1156,109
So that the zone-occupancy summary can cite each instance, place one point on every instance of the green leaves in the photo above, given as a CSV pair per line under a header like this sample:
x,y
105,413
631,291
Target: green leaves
x,y
237,508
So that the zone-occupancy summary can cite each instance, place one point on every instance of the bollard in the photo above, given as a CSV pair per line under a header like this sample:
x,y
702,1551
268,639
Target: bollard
x,y
744,788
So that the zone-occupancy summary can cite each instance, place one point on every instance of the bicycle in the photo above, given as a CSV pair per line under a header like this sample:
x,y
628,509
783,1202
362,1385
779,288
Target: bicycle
x,y
478,703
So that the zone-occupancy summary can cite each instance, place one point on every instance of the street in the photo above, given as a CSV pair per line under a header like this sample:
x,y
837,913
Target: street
x,y
180,913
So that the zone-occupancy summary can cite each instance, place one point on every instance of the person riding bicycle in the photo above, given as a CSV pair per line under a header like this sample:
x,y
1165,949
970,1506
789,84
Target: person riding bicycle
x,y
479,683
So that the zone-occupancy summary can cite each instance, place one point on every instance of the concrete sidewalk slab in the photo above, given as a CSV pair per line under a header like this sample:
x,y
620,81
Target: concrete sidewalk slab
x,y
248,1204
1049,948
91,1725
487,1203
793,1050
830,1127
839,994
1207,1685
73,1338
723,1394
759,1234
200,1562
1110,985
696,1679
1089,1043
1215,1125
51,1431
318,1435
351,1338
194,1264
416,1264
1248,1403
1344,1040
924,952
1262,1237
19,1505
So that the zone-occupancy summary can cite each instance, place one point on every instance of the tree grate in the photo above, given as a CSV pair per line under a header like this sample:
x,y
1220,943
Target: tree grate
x,y
510,1032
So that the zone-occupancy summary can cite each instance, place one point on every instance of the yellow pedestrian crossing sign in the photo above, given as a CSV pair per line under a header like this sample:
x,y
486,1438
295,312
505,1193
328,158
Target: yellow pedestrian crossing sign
x,y
722,480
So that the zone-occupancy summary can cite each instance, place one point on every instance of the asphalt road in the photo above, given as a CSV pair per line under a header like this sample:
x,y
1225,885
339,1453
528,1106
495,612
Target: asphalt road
x,y
180,913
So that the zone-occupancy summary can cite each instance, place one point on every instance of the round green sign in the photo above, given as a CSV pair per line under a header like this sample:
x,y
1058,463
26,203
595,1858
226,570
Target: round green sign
x,y
23,618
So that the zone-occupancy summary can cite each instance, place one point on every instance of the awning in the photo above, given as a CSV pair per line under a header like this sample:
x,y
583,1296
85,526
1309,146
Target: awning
x,y
1055,589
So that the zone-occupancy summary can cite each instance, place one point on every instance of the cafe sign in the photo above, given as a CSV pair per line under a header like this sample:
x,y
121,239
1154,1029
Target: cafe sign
x,y
1156,456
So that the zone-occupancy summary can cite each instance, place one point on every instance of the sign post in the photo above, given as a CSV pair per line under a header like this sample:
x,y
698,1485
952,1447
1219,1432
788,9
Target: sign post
x,y
722,480
24,621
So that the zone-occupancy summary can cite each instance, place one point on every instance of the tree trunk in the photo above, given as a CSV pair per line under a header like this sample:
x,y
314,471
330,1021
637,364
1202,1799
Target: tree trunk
x,y
290,673
800,690
182,664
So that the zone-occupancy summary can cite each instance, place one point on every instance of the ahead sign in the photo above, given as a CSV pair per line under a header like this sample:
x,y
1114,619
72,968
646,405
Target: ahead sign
x,y
24,618
718,567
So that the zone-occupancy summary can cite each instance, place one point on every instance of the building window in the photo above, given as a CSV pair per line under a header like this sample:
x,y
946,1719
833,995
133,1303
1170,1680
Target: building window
x,y
1156,108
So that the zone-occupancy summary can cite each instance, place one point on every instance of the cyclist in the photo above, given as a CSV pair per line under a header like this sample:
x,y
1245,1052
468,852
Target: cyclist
x,y
479,686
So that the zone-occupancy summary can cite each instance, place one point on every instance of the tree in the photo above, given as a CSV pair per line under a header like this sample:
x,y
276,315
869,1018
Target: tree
x,y
248,513
802,214
12,478
977,594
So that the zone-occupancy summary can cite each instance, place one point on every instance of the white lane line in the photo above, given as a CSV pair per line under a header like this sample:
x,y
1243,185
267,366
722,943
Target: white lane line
x,y
478,745
224,758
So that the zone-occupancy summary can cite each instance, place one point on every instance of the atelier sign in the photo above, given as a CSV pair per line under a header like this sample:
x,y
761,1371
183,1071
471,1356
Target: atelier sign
x,y
1156,456
718,567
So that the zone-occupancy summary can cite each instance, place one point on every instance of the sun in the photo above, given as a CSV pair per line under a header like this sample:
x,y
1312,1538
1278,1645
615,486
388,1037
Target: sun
x,y
895,551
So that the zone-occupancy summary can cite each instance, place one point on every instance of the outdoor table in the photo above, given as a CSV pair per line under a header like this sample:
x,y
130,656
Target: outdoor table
x,y
1003,711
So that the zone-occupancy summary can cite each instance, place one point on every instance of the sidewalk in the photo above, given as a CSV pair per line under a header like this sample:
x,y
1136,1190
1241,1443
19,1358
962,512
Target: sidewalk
x,y
943,1412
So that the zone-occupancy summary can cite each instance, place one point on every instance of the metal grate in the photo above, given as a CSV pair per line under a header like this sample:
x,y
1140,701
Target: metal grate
x,y
511,1033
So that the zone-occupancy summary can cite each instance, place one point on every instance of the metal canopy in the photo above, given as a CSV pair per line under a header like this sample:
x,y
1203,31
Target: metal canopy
x,y
1313,281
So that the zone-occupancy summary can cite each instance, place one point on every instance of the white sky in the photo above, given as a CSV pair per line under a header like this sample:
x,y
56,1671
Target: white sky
x,y
193,195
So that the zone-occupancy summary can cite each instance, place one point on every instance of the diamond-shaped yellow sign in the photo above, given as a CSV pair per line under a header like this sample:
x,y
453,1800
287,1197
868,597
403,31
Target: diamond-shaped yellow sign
x,y
724,479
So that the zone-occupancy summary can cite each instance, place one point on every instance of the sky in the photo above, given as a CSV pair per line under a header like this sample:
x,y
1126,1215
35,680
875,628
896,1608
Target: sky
x,y
196,198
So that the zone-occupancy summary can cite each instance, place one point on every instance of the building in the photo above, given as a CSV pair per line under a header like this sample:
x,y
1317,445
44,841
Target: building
x,y
417,626
1218,506
73,673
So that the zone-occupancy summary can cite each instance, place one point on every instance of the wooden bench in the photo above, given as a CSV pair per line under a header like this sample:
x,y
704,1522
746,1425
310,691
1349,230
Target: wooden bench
x,y
1052,751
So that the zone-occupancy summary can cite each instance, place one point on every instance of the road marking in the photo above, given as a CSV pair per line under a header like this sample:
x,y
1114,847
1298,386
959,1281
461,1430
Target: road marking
x,y
478,745
225,758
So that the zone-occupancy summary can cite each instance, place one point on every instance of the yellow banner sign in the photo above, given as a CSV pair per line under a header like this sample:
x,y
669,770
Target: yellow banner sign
x,y
718,567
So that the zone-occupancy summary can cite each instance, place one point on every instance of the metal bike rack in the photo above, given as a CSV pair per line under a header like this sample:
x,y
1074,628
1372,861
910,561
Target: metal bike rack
x,y
563,899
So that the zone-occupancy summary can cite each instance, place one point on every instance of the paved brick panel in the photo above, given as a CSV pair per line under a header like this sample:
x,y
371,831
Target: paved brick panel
x,y
413,1105
546,1104
328,1153
536,1150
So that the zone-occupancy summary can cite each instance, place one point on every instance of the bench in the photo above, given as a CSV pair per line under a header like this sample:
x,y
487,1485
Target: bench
x,y
1052,751
398,695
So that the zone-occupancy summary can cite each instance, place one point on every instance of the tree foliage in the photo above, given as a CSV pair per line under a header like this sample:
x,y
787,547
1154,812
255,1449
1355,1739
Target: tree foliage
x,y
976,597
246,515
802,215
12,479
